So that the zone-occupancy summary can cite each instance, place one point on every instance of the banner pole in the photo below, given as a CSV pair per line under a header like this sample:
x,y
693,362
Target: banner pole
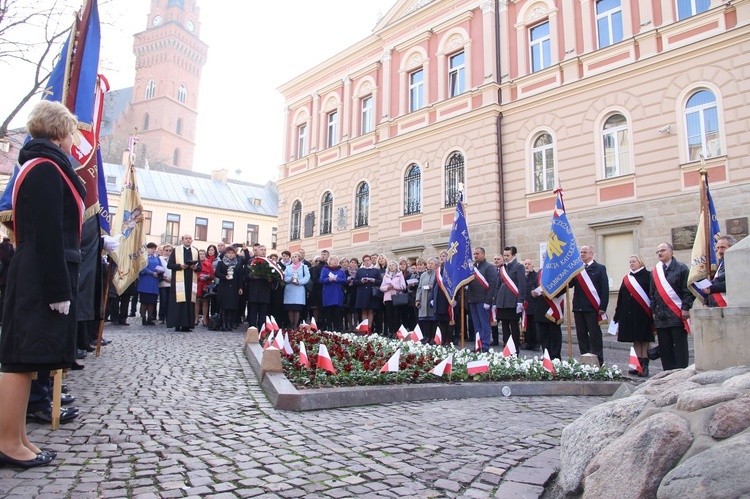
x,y
706,218
567,317
463,317
104,314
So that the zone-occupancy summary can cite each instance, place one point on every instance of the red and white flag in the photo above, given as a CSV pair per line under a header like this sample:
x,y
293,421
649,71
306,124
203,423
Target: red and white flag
x,y
445,367
363,327
634,363
438,336
303,360
392,365
275,325
324,360
287,346
417,335
268,324
262,329
477,367
278,342
313,325
402,333
510,348
547,363
269,341
478,344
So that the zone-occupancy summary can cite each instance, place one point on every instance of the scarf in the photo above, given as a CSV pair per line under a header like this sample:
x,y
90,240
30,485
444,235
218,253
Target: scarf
x,y
230,262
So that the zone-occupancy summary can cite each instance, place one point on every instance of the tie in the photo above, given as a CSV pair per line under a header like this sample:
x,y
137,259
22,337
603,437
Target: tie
x,y
720,270
664,266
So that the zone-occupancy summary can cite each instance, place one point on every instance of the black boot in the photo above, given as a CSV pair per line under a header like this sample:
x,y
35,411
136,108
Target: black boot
x,y
644,366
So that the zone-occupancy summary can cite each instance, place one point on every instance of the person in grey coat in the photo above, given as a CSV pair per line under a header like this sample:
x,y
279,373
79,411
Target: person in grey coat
x,y
511,291
481,296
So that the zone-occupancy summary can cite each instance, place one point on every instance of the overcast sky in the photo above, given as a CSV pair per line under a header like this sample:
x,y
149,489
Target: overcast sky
x,y
254,47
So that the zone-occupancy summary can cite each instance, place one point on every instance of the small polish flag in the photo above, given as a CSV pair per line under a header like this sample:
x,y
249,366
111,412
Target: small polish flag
x,y
478,366
445,367
324,360
262,328
478,344
634,363
268,324
392,365
313,325
304,324
303,360
510,348
438,336
547,363
287,346
275,325
363,327
417,335
278,342
402,333
269,341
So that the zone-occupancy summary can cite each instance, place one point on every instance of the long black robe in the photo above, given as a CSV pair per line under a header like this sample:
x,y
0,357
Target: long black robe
x,y
181,314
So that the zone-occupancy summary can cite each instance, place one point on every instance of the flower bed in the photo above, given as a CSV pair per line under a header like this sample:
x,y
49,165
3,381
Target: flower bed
x,y
358,360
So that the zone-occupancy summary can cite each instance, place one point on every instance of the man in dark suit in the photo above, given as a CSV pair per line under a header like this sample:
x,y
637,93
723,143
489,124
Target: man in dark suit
x,y
590,304
6,254
532,281
719,283
511,292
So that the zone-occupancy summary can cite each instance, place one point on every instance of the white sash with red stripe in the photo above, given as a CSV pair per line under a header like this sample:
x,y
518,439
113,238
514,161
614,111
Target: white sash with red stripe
x,y
587,285
482,280
508,281
441,285
669,295
638,293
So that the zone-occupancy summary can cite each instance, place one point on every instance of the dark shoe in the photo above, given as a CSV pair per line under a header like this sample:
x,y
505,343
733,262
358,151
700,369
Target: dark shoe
x,y
65,388
45,417
150,323
88,348
123,323
77,367
67,399
81,354
41,459
106,342
50,453
644,366
132,314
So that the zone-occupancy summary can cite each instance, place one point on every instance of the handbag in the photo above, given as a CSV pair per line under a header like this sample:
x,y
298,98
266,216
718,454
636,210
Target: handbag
x,y
653,353
376,293
400,299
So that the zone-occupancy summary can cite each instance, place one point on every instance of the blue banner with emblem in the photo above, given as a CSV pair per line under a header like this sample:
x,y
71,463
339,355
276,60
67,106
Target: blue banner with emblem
x,y
459,269
562,261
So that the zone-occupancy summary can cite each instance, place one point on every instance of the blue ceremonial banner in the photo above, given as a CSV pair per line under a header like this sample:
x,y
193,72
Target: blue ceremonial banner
x,y
459,268
562,260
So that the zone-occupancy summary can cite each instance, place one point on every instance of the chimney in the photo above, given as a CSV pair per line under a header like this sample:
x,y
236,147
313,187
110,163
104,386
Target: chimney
x,y
219,175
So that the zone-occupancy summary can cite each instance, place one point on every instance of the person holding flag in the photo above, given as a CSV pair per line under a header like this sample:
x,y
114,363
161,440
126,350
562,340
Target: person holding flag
x,y
511,292
719,283
590,302
670,306
633,312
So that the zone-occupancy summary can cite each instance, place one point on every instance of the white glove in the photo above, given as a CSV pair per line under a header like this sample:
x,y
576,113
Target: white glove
x,y
432,304
519,308
110,243
486,306
62,307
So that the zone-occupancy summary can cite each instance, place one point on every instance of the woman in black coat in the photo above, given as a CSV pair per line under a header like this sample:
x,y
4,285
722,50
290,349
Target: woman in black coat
x,y
368,277
229,272
39,320
633,315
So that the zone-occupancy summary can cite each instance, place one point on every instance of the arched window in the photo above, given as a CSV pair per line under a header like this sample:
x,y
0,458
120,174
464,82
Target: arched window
x,y
543,157
145,121
150,89
296,221
454,177
179,126
616,147
176,157
362,205
702,126
413,190
326,213
182,93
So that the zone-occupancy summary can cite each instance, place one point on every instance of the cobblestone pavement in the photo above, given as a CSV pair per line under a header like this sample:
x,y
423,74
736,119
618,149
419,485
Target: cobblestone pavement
x,y
166,414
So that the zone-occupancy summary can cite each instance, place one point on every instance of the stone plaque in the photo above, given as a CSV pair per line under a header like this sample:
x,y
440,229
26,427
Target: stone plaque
x,y
341,218
684,237
737,227
310,224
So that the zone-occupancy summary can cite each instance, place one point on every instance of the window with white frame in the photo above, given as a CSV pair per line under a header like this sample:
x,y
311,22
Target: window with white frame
x,y
543,157
454,177
301,141
456,75
253,232
362,205
333,128
416,90
688,8
227,232
295,221
326,213
366,125
702,126
616,146
201,229
413,190
540,45
182,93
608,22
150,89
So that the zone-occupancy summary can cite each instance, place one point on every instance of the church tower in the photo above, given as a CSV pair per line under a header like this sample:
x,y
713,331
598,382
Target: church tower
x,y
164,106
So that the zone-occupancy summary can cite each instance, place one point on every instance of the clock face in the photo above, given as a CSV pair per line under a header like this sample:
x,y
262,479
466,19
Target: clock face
x,y
157,20
190,26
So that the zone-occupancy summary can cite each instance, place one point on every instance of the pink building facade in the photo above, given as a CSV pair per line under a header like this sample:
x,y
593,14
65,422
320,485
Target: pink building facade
x,y
614,100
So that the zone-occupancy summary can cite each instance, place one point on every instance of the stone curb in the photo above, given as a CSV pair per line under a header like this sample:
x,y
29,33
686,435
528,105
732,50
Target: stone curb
x,y
284,396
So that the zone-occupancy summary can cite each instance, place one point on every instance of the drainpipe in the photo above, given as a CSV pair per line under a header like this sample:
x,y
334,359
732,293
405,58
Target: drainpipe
x,y
499,121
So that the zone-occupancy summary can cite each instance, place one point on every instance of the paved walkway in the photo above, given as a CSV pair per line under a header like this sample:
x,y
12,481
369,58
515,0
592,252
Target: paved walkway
x,y
167,414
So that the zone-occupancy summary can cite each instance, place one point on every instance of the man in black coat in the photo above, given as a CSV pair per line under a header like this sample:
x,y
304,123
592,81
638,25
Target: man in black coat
x,y
258,293
511,292
586,314
183,262
719,282
481,296
532,281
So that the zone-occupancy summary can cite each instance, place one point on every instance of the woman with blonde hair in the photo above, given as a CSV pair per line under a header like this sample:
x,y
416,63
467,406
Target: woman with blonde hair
x,y
393,283
296,275
633,314
39,319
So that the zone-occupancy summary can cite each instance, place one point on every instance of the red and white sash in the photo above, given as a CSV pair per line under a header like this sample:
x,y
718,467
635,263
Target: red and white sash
x,y
482,280
638,293
669,295
587,285
524,317
441,285
508,281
